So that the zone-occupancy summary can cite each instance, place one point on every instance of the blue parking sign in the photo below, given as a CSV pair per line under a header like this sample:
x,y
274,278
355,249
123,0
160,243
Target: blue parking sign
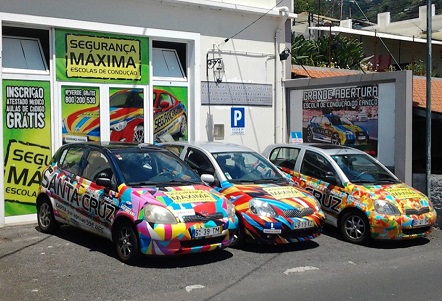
x,y
237,118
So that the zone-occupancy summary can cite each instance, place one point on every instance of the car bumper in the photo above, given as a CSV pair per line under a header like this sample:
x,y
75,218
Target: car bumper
x,y
281,230
402,227
178,239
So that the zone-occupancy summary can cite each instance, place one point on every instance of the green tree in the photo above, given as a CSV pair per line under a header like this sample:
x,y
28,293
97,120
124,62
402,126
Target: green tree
x,y
332,51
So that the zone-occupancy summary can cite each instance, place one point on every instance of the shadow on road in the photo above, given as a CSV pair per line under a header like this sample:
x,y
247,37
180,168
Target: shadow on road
x,y
377,244
102,245
263,248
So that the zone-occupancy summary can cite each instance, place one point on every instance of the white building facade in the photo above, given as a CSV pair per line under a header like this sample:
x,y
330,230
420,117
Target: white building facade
x,y
135,70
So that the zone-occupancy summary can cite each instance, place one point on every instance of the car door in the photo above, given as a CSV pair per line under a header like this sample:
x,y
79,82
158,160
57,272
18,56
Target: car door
x,y
320,178
97,204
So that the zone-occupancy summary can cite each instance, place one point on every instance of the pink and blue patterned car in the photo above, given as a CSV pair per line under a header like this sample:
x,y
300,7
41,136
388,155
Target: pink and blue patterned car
x,y
140,196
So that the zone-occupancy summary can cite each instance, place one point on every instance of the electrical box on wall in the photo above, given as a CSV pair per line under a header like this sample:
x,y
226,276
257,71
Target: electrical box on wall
x,y
218,131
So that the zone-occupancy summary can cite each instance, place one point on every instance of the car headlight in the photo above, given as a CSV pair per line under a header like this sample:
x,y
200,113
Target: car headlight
x,y
261,208
158,215
119,126
230,209
385,207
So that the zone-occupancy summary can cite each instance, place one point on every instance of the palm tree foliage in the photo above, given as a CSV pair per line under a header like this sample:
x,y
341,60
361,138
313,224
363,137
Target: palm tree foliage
x,y
332,51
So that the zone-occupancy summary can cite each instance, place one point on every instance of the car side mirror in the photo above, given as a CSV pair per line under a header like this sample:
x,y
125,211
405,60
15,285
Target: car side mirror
x,y
208,178
332,179
104,180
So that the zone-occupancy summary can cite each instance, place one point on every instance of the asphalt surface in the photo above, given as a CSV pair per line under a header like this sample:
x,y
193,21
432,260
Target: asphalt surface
x,y
76,265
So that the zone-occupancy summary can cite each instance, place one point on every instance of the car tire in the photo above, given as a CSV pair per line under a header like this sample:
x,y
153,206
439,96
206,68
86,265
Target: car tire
x,y
335,139
45,217
309,135
355,227
126,242
139,134
239,236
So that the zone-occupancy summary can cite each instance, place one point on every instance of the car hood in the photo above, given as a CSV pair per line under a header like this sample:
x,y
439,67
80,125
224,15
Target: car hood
x,y
403,196
283,197
180,200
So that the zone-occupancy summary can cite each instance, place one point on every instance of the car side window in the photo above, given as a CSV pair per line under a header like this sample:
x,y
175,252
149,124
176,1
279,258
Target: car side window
x,y
199,162
284,157
71,159
97,165
316,166
176,149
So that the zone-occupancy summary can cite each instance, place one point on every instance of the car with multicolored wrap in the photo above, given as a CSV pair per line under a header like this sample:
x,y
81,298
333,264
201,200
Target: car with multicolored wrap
x,y
269,208
127,118
140,196
334,129
358,194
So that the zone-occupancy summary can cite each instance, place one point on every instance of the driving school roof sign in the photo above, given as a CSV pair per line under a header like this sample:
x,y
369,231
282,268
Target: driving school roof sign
x,y
97,56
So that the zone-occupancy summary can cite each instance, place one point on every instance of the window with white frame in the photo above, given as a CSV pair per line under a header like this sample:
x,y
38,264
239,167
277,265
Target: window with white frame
x,y
169,60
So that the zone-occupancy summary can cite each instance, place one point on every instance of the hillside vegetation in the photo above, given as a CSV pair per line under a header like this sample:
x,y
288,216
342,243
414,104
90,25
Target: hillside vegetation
x,y
399,9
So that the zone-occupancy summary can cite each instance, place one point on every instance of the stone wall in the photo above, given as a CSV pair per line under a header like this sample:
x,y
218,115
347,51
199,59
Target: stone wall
x,y
436,192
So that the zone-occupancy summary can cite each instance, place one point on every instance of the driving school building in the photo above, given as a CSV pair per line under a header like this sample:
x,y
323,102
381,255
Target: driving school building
x,y
134,71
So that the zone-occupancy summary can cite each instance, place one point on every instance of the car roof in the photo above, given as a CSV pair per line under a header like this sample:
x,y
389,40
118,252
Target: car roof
x,y
111,145
329,149
212,147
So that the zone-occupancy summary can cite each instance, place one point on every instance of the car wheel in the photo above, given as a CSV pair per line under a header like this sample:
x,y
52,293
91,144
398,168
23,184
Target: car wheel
x,y
139,134
309,135
126,242
355,227
45,217
335,139
239,236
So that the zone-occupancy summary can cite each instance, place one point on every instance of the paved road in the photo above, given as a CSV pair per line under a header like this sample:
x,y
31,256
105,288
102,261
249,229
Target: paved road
x,y
75,265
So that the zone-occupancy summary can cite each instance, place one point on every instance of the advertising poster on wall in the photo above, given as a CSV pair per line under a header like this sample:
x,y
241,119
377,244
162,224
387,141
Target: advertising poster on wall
x,y
100,57
26,142
80,109
342,116
126,114
170,109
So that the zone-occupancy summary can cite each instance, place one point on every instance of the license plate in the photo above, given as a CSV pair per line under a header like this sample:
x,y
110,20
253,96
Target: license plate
x,y
303,224
420,222
208,231
361,138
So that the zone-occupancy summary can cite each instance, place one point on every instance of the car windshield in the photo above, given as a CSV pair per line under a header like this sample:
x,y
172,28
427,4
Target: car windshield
x,y
247,167
335,120
361,168
142,167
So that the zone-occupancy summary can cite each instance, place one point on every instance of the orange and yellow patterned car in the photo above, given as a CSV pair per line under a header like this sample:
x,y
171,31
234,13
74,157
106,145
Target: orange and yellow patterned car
x,y
270,209
358,194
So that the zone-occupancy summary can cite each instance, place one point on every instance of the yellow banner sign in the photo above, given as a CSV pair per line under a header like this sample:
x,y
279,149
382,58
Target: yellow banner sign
x,y
102,57
23,169
284,192
404,193
190,196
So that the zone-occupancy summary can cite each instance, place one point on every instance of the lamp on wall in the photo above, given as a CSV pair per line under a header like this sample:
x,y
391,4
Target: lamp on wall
x,y
284,54
217,65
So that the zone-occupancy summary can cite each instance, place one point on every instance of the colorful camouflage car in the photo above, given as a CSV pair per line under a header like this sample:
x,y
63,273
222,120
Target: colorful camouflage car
x,y
270,210
142,197
358,194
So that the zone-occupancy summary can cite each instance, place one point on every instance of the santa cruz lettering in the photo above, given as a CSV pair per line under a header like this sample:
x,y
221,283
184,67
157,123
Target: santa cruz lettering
x,y
328,203
65,190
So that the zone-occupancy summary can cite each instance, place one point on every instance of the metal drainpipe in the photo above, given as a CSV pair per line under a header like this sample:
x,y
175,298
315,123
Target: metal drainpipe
x,y
284,10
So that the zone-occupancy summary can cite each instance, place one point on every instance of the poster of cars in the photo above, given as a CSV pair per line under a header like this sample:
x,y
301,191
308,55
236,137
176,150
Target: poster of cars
x,y
342,116
80,107
26,142
81,114
170,113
